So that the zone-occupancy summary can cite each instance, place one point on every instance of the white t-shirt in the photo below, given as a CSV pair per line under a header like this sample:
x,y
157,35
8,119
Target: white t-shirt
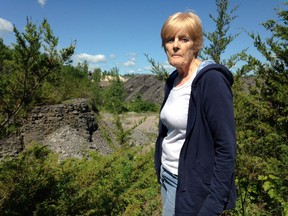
x,y
174,116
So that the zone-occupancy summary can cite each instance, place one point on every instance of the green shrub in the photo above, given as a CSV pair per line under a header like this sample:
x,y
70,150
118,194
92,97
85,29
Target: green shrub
x,y
37,183
139,105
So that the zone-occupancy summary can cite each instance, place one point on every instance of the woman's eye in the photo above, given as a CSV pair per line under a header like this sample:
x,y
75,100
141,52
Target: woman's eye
x,y
184,39
170,40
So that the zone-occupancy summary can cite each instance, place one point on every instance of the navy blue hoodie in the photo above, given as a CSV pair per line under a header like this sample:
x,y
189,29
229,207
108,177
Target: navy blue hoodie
x,y
206,183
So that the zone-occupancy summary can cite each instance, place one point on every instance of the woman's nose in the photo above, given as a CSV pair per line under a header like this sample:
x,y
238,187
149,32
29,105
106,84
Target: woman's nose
x,y
176,44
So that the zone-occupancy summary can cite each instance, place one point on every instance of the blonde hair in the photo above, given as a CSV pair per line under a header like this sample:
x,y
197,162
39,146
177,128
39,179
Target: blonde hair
x,y
186,21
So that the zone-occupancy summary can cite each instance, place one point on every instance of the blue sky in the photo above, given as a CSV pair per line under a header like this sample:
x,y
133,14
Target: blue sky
x,y
114,33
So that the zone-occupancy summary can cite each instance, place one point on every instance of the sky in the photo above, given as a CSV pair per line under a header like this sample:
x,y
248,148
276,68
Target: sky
x,y
118,33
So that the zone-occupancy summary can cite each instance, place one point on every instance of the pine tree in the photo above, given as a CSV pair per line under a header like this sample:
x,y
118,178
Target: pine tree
x,y
262,123
114,94
157,69
35,56
220,38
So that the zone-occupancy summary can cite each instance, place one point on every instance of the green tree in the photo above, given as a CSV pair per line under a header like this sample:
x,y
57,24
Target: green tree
x,y
5,55
83,66
97,74
157,69
273,84
273,74
35,56
220,38
262,124
114,95
69,82
97,96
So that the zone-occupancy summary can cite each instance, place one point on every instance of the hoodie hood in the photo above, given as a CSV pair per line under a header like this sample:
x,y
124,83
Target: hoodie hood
x,y
211,66
204,67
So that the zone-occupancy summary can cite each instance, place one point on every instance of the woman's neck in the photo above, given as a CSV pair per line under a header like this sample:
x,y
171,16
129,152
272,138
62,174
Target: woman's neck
x,y
185,75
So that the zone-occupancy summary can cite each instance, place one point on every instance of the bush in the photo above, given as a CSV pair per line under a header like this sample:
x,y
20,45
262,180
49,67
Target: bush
x,y
36,183
139,105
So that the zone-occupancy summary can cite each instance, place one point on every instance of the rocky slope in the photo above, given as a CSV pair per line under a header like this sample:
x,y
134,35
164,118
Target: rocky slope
x,y
147,86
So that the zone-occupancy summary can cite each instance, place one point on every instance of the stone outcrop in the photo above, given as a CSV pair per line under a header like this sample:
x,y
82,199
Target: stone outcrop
x,y
44,120
67,129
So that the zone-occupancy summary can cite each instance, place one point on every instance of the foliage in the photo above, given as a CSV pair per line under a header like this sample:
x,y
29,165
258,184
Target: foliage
x,y
34,57
220,38
157,69
140,105
27,181
262,125
122,135
96,75
114,72
122,183
114,95
5,55
69,82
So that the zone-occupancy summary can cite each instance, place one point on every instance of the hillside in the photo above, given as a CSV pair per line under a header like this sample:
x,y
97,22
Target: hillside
x,y
147,86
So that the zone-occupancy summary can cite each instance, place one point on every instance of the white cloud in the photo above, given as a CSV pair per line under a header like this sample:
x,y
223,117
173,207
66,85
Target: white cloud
x,y
91,58
130,63
5,26
132,60
42,2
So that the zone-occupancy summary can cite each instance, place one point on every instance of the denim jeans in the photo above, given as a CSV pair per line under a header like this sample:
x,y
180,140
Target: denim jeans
x,y
168,192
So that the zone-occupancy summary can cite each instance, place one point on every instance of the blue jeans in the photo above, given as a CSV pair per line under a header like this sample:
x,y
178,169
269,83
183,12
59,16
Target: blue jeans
x,y
169,183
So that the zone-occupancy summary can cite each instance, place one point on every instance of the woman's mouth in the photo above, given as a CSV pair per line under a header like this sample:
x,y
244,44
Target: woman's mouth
x,y
176,55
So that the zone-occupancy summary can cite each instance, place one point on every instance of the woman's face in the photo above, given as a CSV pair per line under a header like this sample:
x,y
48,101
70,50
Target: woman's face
x,y
179,50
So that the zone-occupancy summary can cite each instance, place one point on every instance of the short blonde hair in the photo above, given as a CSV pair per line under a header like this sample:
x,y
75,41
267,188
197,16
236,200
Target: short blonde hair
x,y
187,21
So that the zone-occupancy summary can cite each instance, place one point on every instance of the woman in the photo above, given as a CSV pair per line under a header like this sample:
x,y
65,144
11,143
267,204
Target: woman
x,y
196,148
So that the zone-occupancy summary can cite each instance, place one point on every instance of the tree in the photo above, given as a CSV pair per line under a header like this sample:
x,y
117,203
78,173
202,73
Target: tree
x,y
35,56
114,94
5,54
273,74
262,122
157,69
96,75
220,38
69,82
83,67
273,84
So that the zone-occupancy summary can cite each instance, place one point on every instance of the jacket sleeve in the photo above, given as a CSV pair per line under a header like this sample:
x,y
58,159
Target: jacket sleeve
x,y
218,108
